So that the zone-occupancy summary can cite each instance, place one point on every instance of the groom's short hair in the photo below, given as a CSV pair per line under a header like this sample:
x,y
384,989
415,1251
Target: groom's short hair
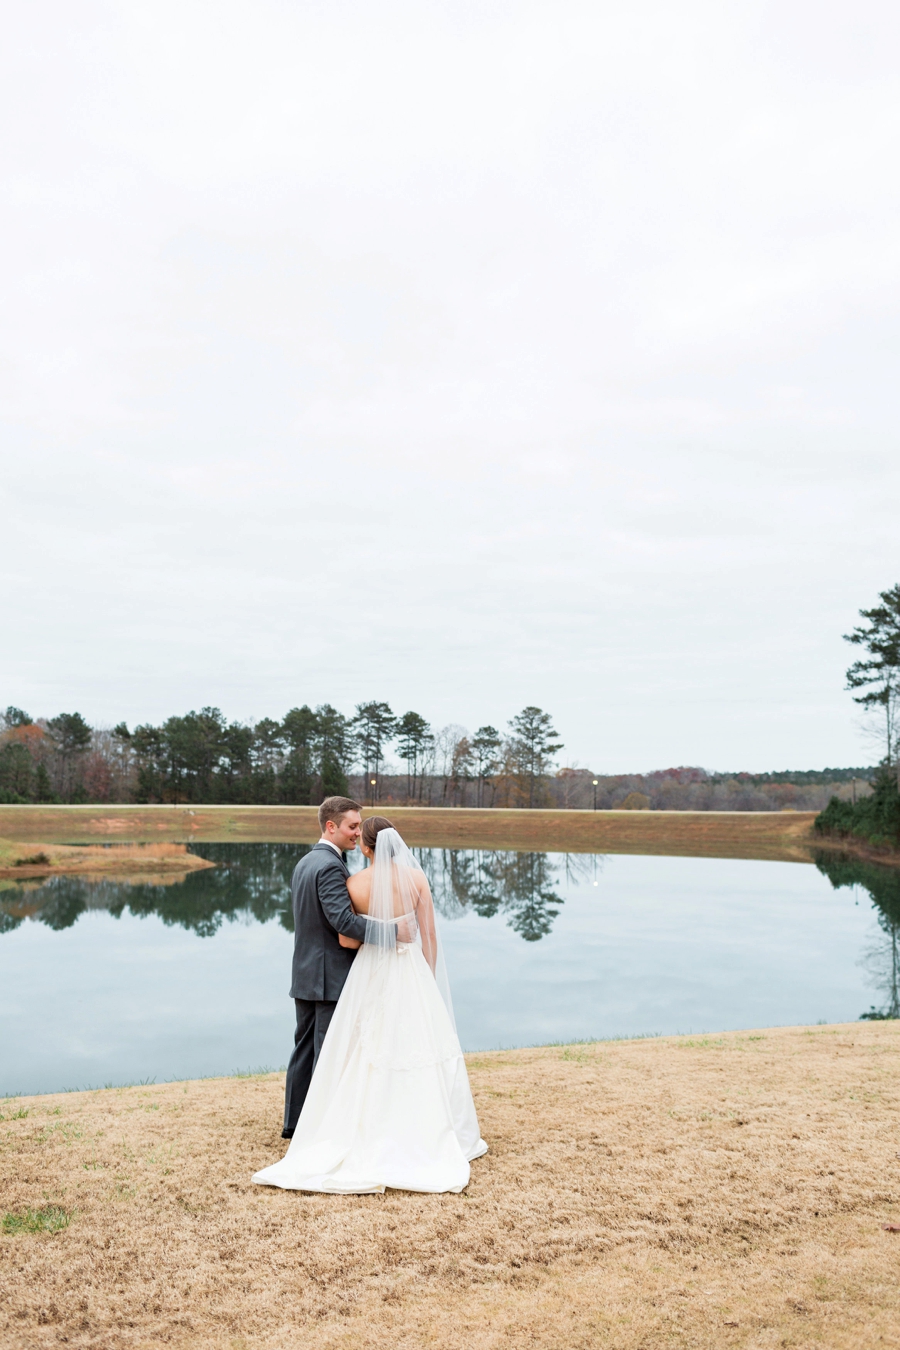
x,y
333,808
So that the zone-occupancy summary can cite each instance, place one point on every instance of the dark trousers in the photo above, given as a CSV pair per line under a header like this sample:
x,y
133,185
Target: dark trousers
x,y
312,1023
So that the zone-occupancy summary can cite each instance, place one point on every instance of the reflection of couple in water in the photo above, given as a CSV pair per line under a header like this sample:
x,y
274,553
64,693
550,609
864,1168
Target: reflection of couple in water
x,y
383,1098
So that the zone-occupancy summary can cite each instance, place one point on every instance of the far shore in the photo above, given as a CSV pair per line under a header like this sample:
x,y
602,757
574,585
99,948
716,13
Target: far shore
x,y
776,835
737,1189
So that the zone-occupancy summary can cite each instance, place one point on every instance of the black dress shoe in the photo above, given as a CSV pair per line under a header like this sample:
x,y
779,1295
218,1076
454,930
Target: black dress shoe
x,y
287,1134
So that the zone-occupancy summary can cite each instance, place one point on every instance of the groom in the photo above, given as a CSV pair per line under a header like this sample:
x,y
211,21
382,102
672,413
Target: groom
x,y
321,965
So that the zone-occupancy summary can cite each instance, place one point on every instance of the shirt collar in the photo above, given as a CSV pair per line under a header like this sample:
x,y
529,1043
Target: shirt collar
x,y
331,845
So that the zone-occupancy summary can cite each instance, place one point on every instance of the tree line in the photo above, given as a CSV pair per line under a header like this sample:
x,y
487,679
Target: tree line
x,y
309,754
374,756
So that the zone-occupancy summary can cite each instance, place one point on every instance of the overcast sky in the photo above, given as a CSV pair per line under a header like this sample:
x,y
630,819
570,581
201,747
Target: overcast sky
x,y
463,355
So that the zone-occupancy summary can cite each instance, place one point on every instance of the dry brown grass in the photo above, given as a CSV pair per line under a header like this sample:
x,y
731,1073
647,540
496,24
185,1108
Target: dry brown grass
x,y
22,860
781,835
699,1192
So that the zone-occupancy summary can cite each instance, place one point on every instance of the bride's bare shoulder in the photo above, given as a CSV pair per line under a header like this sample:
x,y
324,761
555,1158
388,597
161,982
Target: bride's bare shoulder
x,y
359,886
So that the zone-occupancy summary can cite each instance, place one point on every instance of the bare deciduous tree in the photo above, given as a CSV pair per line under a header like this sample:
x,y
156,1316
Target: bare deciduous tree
x,y
445,743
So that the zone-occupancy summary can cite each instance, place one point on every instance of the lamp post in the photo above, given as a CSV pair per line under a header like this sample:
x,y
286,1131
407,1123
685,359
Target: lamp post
x,y
596,781
373,782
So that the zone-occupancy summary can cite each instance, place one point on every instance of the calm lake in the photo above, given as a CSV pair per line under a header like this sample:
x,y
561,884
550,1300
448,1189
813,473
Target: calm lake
x,y
115,982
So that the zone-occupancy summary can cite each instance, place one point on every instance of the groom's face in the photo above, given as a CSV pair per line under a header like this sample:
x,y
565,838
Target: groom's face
x,y
346,831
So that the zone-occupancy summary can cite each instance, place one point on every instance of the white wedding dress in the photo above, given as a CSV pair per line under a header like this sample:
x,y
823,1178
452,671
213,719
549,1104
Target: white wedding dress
x,y
389,1103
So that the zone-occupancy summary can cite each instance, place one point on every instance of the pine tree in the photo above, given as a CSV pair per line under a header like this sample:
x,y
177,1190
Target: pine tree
x,y
43,791
374,725
415,737
485,746
533,745
879,676
333,749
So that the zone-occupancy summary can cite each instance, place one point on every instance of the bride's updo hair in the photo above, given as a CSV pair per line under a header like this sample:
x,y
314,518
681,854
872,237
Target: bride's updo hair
x,y
373,827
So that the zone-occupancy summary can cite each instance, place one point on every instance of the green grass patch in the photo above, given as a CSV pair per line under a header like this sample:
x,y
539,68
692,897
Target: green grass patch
x,y
47,1219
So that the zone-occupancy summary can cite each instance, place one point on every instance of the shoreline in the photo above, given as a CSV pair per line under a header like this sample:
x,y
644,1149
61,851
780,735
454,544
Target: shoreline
x,y
267,1071
851,846
728,1189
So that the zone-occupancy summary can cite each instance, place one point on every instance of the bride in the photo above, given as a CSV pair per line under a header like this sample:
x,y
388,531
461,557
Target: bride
x,y
389,1103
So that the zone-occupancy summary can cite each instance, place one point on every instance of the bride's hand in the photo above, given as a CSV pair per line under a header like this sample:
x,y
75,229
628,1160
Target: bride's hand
x,y
404,932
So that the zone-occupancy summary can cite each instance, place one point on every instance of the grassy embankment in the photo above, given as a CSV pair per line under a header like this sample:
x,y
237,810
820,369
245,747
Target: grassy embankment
x,y
702,1192
150,861
783,835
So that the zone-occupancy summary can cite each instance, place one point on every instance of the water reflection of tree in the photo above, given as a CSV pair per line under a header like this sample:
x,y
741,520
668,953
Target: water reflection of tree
x,y
248,881
882,957
252,881
521,886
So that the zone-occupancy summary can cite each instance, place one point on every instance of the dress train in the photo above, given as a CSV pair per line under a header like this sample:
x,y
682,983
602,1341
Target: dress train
x,y
390,1102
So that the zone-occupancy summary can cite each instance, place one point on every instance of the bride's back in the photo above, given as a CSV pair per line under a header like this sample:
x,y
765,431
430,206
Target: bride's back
x,y
405,895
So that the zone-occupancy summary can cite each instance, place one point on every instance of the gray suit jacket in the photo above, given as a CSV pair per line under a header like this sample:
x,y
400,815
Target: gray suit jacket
x,y
322,909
